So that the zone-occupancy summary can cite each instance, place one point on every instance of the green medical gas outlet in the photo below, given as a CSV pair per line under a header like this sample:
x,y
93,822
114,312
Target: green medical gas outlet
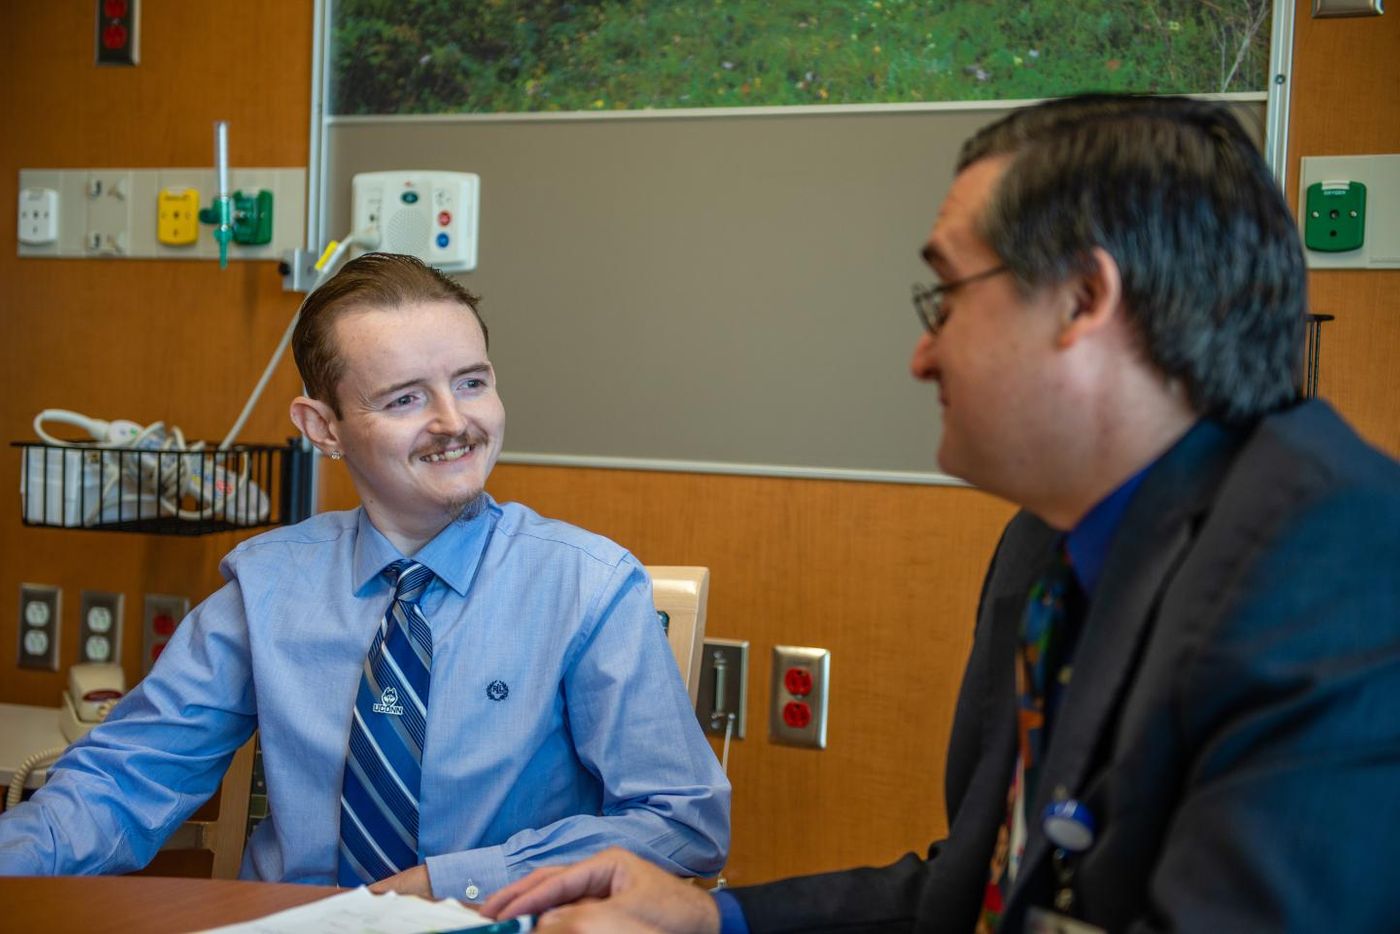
x,y
1336,216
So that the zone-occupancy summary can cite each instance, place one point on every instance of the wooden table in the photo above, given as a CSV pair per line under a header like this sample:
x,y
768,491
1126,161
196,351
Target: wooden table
x,y
151,905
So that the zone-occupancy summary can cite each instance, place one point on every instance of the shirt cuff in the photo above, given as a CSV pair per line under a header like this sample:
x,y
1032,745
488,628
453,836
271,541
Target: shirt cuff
x,y
731,916
469,875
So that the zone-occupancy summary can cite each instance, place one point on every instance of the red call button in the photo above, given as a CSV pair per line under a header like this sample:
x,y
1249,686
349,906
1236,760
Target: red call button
x,y
798,682
797,715
444,218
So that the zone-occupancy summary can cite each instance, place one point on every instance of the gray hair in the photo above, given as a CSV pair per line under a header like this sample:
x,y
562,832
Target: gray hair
x,y
1176,192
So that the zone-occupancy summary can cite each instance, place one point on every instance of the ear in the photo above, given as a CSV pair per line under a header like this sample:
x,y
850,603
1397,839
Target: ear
x,y
1097,299
317,421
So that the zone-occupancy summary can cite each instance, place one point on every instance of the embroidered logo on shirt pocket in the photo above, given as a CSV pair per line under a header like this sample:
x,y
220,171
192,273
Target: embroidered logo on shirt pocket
x,y
497,690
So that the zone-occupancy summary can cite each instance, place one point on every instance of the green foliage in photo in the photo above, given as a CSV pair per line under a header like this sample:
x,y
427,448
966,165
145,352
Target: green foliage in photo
x,y
450,56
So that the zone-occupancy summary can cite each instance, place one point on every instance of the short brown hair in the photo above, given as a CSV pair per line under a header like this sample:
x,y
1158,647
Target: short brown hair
x,y
369,282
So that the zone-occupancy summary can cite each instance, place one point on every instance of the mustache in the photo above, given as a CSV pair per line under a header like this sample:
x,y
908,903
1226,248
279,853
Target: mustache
x,y
466,439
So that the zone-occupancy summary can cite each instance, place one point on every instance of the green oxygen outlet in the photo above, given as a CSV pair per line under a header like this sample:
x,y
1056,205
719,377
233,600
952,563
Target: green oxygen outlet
x,y
1335,219
252,217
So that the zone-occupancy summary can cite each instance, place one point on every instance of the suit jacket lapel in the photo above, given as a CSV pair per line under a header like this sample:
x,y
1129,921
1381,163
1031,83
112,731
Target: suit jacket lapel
x,y
1149,542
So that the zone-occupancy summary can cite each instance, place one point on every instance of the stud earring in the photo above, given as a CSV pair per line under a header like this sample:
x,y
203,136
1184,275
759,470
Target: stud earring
x,y
336,455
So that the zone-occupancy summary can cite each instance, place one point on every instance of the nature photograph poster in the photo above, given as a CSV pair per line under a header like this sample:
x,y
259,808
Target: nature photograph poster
x,y
543,56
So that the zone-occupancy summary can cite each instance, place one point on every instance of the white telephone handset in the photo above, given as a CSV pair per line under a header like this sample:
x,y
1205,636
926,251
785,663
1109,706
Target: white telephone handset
x,y
93,689
430,215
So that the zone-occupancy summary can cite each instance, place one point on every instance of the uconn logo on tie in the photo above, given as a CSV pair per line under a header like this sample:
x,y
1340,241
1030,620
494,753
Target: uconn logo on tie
x,y
389,702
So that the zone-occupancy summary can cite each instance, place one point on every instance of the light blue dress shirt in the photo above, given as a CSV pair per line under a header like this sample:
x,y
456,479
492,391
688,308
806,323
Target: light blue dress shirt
x,y
558,724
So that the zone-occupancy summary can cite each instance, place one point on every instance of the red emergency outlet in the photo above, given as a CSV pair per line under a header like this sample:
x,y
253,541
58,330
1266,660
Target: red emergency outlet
x,y
118,32
114,37
798,682
797,715
799,688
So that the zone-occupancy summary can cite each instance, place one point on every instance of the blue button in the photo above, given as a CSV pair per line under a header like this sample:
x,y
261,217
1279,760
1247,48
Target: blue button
x,y
442,240
409,197
1069,825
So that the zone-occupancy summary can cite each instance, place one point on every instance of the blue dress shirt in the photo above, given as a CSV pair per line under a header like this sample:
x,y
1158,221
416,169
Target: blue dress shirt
x,y
558,723
1087,543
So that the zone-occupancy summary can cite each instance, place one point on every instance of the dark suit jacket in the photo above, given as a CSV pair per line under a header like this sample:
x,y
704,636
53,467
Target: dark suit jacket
x,y
1233,722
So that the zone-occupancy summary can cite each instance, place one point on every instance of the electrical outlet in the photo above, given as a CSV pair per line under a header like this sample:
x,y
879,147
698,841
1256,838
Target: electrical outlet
x,y
801,677
108,227
114,213
163,614
39,616
118,32
723,695
177,219
100,627
38,216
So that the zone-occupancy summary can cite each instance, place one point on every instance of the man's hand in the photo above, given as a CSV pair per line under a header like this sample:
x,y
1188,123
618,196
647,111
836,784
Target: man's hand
x,y
593,918
634,889
412,881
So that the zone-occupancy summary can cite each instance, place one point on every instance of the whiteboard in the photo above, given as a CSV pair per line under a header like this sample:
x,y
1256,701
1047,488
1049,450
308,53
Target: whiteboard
x,y
727,293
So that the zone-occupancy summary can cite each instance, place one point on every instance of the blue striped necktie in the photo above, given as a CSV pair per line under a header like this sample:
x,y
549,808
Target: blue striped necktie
x,y
383,770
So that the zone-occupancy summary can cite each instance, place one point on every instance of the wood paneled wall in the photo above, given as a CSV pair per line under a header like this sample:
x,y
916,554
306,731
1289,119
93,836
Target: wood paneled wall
x,y
885,576
1346,73
177,341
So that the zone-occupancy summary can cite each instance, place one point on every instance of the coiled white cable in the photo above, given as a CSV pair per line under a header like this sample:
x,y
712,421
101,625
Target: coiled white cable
x,y
41,759
21,776
228,493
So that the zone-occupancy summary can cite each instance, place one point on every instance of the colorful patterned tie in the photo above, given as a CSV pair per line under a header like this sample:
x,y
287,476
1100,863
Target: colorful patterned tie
x,y
383,770
1046,640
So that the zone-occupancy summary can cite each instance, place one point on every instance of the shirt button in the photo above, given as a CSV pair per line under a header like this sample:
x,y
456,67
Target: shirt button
x,y
473,891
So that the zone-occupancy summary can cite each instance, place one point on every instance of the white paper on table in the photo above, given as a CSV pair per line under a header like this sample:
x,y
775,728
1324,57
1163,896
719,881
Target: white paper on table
x,y
359,912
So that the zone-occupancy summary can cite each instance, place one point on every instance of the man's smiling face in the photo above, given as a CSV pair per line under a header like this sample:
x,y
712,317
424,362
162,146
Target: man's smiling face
x,y
421,423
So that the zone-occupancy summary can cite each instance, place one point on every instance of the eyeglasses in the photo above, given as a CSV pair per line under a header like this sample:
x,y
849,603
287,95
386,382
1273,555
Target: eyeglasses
x,y
930,301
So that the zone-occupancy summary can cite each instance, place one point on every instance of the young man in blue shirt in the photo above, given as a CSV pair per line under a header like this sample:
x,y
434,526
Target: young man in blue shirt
x,y
541,712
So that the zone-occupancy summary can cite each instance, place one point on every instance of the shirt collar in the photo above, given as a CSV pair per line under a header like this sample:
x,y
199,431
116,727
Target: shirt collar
x,y
453,554
1088,541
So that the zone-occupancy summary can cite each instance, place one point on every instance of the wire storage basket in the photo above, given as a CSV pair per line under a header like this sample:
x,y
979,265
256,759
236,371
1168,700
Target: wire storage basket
x,y
193,491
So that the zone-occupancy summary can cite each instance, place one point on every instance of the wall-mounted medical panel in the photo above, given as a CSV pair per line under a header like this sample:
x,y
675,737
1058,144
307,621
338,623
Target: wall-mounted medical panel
x,y
152,213
1349,211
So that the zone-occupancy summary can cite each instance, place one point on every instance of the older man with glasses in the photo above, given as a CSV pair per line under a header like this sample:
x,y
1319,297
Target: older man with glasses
x,y
1179,711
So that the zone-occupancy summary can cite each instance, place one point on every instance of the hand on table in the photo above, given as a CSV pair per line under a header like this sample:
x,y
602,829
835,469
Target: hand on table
x,y
620,892
412,881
